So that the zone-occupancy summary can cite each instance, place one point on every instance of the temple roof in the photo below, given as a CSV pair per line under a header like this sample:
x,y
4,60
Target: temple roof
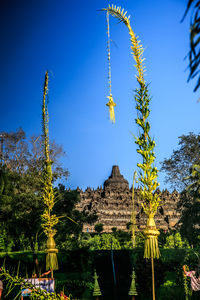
x,y
116,180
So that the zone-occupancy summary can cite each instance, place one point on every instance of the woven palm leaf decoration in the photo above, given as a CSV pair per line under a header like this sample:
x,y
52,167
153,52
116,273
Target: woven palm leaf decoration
x,y
96,292
133,291
147,171
49,220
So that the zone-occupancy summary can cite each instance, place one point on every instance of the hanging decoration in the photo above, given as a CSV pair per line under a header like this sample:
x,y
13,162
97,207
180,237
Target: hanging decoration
x,y
111,104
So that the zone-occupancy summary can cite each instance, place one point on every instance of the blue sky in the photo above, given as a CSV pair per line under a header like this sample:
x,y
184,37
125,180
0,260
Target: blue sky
x,y
69,39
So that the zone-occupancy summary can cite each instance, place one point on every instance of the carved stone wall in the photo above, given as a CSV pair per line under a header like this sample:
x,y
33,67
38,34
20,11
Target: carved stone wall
x,y
113,205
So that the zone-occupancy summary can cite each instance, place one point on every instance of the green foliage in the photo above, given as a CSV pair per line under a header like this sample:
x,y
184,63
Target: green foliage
x,y
20,216
114,229
104,242
120,240
71,222
178,167
72,277
20,189
140,239
23,155
16,282
98,227
76,271
183,171
174,241
194,52
187,288
123,237
194,177
20,209
170,289
190,218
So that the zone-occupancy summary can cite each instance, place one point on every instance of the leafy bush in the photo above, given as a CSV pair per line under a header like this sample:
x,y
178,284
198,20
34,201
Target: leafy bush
x,y
104,242
174,241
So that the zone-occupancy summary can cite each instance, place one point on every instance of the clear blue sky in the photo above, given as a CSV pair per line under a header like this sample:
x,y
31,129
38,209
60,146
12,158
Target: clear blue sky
x,y
69,39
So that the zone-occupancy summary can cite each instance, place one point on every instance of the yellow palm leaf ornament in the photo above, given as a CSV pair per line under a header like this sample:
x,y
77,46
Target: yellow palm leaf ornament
x,y
49,220
111,104
147,171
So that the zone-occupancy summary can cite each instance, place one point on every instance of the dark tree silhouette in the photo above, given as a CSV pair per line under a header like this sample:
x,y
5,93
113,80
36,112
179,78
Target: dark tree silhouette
x,y
194,52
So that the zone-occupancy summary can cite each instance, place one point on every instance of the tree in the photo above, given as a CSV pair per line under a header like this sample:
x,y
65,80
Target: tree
x,y
25,155
122,236
178,166
20,210
21,186
105,241
175,241
72,220
194,53
183,172
98,227
190,217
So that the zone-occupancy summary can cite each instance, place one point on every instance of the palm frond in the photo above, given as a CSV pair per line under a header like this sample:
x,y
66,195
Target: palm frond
x,y
194,53
117,12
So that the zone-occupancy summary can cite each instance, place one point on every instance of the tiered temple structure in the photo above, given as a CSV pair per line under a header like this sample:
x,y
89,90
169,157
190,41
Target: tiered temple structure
x,y
113,205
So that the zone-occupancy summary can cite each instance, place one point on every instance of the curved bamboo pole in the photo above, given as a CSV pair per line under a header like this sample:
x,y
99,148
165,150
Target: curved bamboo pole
x,y
148,172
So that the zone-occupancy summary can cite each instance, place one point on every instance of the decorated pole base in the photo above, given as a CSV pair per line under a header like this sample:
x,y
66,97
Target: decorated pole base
x,y
51,258
151,233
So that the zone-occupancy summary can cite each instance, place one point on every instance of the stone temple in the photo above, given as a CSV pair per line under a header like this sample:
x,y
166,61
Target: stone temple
x,y
113,205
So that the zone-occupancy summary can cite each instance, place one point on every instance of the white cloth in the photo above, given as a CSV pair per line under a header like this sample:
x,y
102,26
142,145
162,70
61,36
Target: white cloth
x,y
195,282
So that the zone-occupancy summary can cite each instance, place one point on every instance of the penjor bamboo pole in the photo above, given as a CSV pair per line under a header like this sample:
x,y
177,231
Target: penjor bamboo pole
x,y
49,220
148,172
133,220
152,276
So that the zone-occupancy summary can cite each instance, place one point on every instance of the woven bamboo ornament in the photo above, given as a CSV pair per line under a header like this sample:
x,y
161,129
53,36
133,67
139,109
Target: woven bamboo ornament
x,y
133,291
111,104
96,292
147,171
51,258
151,243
